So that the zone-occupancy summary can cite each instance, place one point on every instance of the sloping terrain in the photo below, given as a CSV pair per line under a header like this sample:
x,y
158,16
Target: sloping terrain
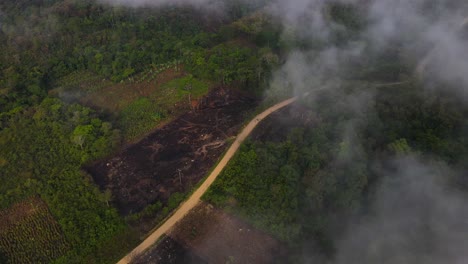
x,y
219,238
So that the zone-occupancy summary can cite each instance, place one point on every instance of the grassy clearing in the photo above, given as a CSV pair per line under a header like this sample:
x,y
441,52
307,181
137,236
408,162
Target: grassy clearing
x,y
29,233
178,91
145,113
140,117
140,103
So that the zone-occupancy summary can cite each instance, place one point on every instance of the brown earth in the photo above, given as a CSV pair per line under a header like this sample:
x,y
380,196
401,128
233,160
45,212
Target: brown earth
x,y
174,157
222,238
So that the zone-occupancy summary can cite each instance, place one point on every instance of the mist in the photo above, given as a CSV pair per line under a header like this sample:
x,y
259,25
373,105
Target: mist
x,y
415,218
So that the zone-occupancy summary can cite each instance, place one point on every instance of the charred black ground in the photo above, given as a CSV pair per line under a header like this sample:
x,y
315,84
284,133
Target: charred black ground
x,y
175,157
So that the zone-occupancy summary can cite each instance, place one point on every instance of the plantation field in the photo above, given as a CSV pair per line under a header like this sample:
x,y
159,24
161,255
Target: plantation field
x,y
29,234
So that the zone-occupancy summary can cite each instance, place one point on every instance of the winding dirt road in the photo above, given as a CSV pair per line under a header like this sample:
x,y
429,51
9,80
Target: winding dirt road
x,y
195,198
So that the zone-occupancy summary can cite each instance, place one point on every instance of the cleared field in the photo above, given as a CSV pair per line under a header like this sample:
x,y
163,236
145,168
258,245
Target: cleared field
x,y
174,157
29,233
167,100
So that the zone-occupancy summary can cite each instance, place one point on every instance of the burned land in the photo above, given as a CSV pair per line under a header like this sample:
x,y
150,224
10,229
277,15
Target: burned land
x,y
209,235
169,251
176,156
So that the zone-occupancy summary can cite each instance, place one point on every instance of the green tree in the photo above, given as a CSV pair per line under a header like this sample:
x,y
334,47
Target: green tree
x,y
83,134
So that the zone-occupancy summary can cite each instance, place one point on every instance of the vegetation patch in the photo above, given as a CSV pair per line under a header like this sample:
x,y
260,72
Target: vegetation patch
x,y
145,113
184,87
29,233
266,195
140,102
42,150
140,117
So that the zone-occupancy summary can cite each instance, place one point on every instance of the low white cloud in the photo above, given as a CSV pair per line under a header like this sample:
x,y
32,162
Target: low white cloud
x,y
415,218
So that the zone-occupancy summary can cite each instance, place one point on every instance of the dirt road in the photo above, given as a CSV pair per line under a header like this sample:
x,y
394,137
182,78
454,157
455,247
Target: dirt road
x,y
195,198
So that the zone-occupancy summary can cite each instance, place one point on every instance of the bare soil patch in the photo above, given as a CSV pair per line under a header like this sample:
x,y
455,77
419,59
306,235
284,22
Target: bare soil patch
x,y
222,238
176,156
169,251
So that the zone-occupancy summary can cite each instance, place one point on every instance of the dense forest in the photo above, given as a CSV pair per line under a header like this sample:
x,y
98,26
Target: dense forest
x,y
44,41
301,172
